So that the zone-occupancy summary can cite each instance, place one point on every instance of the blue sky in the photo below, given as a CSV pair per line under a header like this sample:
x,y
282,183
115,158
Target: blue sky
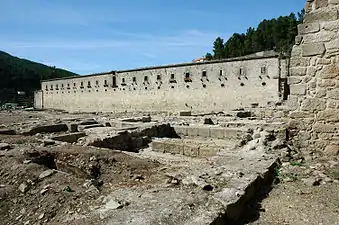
x,y
96,36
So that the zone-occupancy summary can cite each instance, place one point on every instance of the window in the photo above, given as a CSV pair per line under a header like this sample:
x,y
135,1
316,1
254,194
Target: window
x,y
68,86
146,78
74,84
62,86
114,81
46,88
57,87
187,77
52,87
89,84
158,77
220,73
82,84
204,73
123,80
105,83
134,79
172,76
97,83
263,70
241,71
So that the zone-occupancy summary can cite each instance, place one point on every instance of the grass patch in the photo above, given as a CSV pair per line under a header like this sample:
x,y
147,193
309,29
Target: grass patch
x,y
296,163
292,176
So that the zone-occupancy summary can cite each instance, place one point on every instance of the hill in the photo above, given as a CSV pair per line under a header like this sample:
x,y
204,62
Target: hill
x,y
275,34
18,74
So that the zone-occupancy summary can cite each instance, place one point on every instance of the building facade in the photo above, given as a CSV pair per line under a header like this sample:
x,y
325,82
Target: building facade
x,y
228,84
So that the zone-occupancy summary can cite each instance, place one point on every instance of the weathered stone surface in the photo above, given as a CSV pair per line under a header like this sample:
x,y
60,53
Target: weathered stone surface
x,y
332,26
7,132
332,150
333,2
46,173
334,94
329,72
308,28
47,129
324,128
70,138
313,49
73,127
294,80
300,61
298,89
298,71
323,36
4,146
88,122
313,104
326,14
23,187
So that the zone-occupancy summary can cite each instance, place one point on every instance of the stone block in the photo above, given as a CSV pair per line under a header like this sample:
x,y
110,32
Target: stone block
x,y
313,49
332,25
333,2
313,105
329,115
324,14
298,71
329,72
323,36
192,131
180,130
204,132
233,133
158,146
191,151
311,71
333,94
47,129
70,138
73,127
298,89
326,83
7,132
206,152
332,150
308,28
218,133
300,114
300,62
174,148
324,128
294,80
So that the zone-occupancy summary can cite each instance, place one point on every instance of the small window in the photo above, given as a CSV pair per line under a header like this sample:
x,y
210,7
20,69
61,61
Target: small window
x,y
89,84
220,73
82,84
134,79
97,82
123,80
74,84
263,70
62,85
172,76
158,77
57,87
204,73
68,86
187,75
46,88
241,71
105,82
145,78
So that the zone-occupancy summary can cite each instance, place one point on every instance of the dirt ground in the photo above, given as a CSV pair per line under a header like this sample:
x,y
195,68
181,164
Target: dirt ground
x,y
81,175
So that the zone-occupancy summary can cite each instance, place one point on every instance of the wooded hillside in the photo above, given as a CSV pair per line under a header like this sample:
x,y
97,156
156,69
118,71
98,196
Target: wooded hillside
x,y
275,34
18,74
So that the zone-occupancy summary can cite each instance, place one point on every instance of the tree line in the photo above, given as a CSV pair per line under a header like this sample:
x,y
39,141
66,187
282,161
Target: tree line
x,y
275,34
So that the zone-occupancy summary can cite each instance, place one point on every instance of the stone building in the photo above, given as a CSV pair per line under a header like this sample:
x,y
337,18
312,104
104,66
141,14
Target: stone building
x,y
256,79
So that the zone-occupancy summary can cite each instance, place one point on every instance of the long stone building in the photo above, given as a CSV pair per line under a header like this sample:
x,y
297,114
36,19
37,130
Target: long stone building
x,y
258,79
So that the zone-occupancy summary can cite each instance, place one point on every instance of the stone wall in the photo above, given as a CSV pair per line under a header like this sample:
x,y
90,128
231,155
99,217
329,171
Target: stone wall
x,y
215,86
314,80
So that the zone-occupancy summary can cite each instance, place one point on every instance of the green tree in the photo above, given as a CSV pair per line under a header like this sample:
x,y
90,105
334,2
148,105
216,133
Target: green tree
x,y
218,48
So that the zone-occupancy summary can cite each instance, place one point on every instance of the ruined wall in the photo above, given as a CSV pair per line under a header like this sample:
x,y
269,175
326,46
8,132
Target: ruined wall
x,y
314,80
38,101
200,87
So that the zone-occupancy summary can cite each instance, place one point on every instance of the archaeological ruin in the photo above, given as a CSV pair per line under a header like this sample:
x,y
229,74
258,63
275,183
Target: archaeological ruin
x,y
186,144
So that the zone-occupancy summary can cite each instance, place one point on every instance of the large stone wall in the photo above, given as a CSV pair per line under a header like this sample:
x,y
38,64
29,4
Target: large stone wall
x,y
314,80
209,87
